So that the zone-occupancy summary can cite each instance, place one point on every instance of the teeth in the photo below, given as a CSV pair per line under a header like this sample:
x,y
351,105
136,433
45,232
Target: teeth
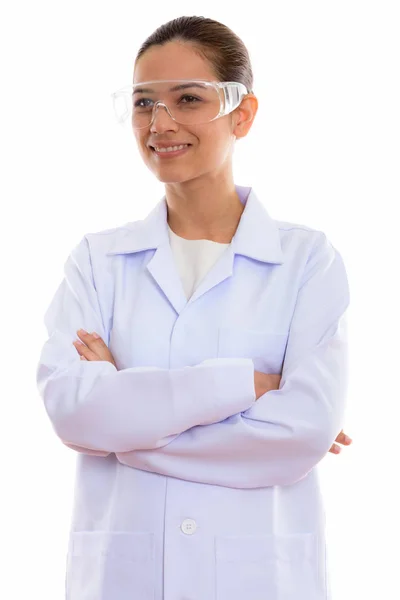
x,y
171,148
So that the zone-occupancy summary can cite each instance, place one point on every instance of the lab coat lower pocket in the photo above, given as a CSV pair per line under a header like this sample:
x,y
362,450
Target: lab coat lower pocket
x,y
268,567
110,565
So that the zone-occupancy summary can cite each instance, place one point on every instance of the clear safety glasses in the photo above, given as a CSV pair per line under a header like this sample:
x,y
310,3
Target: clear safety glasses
x,y
187,101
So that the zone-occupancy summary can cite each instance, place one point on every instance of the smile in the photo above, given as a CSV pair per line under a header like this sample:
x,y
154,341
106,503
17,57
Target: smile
x,y
171,151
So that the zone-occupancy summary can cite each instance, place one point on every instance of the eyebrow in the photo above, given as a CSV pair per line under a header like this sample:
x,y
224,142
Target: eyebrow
x,y
181,86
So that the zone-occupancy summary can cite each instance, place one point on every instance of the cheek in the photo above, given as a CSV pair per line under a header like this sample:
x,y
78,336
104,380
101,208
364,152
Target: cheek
x,y
215,140
214,150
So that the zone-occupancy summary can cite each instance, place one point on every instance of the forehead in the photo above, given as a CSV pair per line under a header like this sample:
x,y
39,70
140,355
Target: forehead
x,y
174,60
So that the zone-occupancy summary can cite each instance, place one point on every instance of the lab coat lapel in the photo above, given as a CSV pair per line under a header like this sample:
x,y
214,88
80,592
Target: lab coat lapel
x,y
257,237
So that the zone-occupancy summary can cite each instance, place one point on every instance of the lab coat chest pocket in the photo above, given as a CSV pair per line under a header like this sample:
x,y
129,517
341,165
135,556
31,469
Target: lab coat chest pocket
x,y
266,349
110,565
277,567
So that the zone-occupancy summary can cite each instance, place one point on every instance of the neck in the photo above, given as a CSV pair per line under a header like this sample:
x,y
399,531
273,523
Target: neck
x,y
200,211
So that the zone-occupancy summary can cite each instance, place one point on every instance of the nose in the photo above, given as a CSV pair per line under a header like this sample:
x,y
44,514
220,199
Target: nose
x,y
162,121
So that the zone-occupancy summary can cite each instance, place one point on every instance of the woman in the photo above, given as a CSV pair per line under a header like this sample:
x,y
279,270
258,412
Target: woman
x,y
210,377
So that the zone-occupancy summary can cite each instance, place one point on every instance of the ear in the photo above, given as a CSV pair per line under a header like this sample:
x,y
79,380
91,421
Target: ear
x,y
243,116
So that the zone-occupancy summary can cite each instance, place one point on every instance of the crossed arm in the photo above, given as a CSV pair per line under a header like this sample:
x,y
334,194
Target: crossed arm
x,y
91,346
201,423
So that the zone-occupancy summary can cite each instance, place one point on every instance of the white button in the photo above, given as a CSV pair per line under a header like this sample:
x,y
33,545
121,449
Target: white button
x,y
188,526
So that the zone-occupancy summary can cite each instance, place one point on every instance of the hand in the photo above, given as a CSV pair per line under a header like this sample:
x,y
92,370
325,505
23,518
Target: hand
x,y
93,348
265,382
343,439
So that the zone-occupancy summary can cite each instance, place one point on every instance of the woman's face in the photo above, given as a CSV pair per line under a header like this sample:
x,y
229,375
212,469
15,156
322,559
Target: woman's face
x,y
211,143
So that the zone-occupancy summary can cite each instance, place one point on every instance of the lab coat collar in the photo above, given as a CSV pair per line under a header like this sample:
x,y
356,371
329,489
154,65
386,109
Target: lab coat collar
x,y
257,235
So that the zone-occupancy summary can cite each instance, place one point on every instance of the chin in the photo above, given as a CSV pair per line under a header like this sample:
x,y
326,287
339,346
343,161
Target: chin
x,y
172,175
171,178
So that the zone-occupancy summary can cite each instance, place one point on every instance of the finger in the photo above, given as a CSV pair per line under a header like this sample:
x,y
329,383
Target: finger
x,y
344,439
90,338
335,449
78,346
83,357
97,348
85,351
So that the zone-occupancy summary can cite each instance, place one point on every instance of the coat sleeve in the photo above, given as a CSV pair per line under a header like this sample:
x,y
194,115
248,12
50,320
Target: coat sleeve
x,y
96,408
287,431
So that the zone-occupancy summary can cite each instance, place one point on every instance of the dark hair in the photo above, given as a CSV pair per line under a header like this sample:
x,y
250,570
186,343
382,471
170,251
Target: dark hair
x,y
211,40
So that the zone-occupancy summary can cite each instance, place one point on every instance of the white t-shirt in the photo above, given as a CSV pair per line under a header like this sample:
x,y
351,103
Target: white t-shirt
x,y
194,258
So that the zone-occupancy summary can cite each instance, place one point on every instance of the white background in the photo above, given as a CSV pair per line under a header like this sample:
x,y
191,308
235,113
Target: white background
x,y
323,151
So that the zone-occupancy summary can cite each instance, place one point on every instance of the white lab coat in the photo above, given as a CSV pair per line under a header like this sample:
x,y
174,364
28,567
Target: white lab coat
x,y
187,488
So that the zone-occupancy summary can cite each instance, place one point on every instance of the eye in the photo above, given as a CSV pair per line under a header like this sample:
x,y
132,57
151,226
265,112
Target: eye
x,y
140,100
190,96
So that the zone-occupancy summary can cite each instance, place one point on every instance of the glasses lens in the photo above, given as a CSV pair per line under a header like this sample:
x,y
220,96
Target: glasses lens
x,y
189,103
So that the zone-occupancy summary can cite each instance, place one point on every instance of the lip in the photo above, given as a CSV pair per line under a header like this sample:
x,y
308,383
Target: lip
x,y
163,155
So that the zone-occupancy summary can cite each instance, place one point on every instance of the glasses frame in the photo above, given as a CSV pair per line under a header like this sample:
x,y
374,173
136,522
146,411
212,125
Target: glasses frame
x,y
231,94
